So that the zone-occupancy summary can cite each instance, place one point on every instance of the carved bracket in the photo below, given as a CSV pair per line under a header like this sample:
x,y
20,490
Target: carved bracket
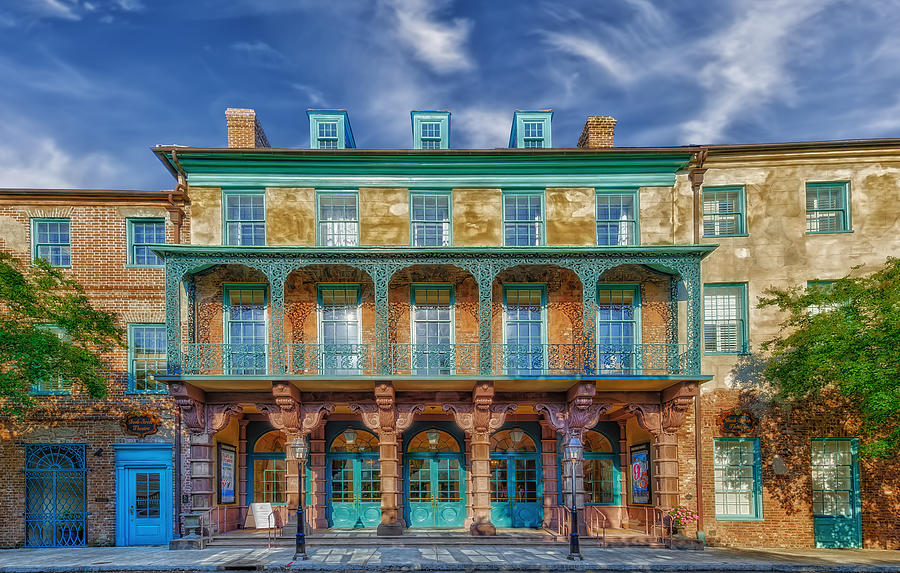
x,y
191,402
386,415
580,413
662,419
481,416
219,415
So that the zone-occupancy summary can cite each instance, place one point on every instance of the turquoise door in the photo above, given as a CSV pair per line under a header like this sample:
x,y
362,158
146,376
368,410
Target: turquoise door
x,y
835,494
147,519
515,480
514,492
354,487
435,481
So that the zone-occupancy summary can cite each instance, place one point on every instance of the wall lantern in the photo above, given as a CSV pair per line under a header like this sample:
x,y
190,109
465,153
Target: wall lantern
x,y
350,436
516,435
433,437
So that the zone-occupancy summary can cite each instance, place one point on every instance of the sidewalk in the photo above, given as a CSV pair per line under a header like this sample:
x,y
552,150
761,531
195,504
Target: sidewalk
x,y
445,558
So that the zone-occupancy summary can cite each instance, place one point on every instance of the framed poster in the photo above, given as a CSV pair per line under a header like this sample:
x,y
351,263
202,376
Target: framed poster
x,y
227,473
640,474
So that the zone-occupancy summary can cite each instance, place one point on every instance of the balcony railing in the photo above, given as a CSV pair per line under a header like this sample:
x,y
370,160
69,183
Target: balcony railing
x,y
438,360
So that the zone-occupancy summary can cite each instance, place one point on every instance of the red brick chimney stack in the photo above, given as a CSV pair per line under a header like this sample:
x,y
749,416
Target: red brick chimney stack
x,y
598,132
244,130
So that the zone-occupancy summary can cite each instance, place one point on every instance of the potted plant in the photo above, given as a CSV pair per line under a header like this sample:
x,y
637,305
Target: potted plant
x,y
680,517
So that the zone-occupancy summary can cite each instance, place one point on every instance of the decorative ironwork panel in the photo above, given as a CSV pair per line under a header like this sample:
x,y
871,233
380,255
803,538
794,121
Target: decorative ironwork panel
x,y
55,495
434,359
324,359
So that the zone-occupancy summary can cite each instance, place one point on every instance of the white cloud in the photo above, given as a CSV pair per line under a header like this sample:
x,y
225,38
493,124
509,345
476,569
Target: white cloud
x,y
314,97
439,44
260,53
593,52
32,158
480,128
749,68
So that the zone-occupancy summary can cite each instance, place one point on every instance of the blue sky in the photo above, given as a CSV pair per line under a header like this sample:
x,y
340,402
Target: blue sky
x,y
89,85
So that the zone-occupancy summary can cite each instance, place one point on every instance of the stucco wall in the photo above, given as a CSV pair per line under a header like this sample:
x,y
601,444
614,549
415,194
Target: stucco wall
x,y
477,218
206,215
383,216
570,216
290,216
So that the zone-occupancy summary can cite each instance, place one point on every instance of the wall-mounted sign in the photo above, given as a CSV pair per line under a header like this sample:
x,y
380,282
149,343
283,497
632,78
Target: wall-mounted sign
x,y
227,473
736,421
141,423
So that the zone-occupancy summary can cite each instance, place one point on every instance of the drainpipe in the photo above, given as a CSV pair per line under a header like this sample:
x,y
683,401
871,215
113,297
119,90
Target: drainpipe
x,y
696,178
698,458
178,508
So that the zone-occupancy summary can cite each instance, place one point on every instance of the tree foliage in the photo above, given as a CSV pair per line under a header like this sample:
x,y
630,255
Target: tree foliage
x,y
36,295
844,336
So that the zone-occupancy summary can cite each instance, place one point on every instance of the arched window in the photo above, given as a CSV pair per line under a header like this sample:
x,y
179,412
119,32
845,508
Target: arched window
x,y
601,475
512,441
353,441
270,442
269,468
433,441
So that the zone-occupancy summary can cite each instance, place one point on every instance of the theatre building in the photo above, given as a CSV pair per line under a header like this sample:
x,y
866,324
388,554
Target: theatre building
x,y
438,324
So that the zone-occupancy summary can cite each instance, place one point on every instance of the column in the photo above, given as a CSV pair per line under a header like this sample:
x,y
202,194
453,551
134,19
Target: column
x,y
381,276
694,318
388,454
276,274
174,274
242,466
551,483
202,474
665,466
481,485
318,478
292,477
589,275
485,321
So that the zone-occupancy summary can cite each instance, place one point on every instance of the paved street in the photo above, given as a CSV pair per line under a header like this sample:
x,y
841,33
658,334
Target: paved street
x,y
444,558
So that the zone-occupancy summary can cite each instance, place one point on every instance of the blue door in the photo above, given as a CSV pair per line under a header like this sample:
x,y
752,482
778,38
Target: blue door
x,y
143,494
435,481
835,493
515,480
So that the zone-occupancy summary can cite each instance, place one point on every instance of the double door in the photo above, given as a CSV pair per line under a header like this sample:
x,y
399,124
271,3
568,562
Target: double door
x,y
515,499
355,491
435,497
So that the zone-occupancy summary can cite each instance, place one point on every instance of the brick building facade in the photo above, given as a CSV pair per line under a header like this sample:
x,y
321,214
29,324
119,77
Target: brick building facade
x,y
437,324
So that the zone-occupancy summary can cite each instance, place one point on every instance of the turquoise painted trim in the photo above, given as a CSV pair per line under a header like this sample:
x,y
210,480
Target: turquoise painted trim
x,y
745,319
320,308
130,359
430,193
742,209
226,240
129,222
226,309
544,322
846,211
613,380
137,456
325,192
440,117
268,250
537,193
412,298
757,514
634,287
517,132
344,132
857,497
635,193
34,243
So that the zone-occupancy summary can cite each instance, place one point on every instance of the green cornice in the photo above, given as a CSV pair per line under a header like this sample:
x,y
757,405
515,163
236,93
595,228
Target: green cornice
x,y
430,169
169,250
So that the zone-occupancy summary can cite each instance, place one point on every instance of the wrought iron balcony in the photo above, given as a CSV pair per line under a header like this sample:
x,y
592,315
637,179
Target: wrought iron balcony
x,y
438,360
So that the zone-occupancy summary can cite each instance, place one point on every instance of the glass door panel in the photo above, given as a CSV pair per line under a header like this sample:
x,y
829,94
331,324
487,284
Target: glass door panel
x,y
616,330
245,351
355,492
432,331
835,493
340,331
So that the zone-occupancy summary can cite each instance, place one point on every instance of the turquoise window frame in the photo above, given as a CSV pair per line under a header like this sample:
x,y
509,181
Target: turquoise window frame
x,y
412,319
635,223
542,227
226,317
855,503
517,135
60,387
132,245
35,244
714,217
162,388
226,193
413,222
544,321
634,288
756,497
442,118
744,330
844,210
320,323
344,135
320,194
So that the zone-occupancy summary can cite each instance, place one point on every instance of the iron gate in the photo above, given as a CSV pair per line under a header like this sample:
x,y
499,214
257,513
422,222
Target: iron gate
x,y
55,495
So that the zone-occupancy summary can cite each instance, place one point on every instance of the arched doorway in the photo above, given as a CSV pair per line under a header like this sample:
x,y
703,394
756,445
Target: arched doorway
x,y
268,469
354,485
515,480
435,480
602,483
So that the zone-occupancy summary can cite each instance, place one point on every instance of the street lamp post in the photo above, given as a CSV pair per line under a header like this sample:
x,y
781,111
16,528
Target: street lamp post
x,y
300,449
573,453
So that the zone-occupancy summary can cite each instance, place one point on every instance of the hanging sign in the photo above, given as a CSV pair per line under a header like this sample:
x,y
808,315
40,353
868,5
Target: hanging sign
x,y
141,423
736,421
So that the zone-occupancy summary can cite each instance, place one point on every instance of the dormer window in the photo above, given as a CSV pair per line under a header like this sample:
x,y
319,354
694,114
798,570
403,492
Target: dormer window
x,y
531,130
431,129
329,129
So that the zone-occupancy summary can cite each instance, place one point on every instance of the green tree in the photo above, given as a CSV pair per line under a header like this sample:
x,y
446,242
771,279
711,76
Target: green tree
x,y
32,297
845,337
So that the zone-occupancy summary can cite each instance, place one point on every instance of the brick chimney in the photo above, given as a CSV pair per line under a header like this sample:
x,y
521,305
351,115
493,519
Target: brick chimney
x,y
598,132
244,129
